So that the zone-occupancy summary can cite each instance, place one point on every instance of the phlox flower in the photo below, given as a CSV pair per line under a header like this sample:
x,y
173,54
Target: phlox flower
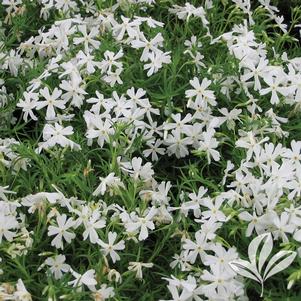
x,y
61,231
56,134
88,279
57,265
111,247
137,267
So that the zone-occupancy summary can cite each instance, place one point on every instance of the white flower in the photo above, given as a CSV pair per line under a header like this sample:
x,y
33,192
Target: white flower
x,y
61,231
148,46
105,292
255,71
100,102
143,223
28,104
102,130
214,214
4,191
56,134
200,92
86,59
249,142
254,222
87,39
51,101
110,61
109,181
154,149
157,59
177,144
94,222
7,223
114,275
274,84
177,294
74,91
127,26
88,279
219,281
209,145
137,170
21,293
113,77
57,265
222,258
137,267
180,124
111,248
193,249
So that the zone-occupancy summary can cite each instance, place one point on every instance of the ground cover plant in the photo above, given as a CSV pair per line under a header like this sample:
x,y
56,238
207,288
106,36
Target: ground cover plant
x,y
150,150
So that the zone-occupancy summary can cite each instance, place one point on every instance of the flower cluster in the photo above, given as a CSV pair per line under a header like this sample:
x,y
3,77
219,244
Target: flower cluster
x,y
146,140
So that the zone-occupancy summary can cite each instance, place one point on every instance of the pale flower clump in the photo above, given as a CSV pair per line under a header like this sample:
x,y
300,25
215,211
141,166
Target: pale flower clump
x,y
146,147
